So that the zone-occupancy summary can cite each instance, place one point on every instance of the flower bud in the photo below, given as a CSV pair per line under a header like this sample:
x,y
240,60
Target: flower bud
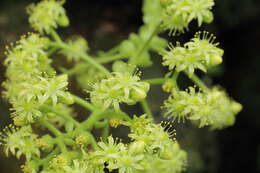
x,y
45,143
63,21
215,60
208,17
67,98
114,122
138,94
82,139
236,107
137,147
168,86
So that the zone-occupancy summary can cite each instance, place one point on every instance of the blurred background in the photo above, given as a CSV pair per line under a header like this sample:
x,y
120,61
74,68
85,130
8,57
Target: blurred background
x,y
105,23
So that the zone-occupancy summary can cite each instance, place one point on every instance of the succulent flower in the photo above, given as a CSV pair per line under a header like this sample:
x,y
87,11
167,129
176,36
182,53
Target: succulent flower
x,y
176,15
19,141
161,153
121,87
31,80
182,59
109,152
78,166
30,167
203,45
200,53
213,108
53,88
47,15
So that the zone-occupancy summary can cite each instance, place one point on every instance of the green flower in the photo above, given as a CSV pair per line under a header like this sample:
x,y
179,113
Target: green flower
x,y
26,110
53,88
78,166
154,142
200,53
173,160
121,87
47,15
181,59
20,141
213,108
30,167
176,15
204,46
127,162
108,152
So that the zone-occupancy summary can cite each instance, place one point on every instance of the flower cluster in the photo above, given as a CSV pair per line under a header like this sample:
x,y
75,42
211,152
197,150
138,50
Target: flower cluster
x,y
47,15
151,150
30,75
213,108
121,87
19,141
200,53
39,97
176,15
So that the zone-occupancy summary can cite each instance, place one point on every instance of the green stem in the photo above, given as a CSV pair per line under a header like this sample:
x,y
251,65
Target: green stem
x,y
93,118
55,36
146,44
60,44
123,116
89,123
108,59
49,157
84,103
74,70
198,82
81,67
93,142
61,145
146,108
65,116
155,81
105,131
174,79
51,51
50,127
84,56
109,52
100,124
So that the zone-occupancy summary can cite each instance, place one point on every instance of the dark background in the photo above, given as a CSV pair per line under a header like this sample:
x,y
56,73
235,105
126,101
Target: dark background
x,y
105,23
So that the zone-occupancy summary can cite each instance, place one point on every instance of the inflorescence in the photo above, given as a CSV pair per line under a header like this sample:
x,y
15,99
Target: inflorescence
x,y
46,132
